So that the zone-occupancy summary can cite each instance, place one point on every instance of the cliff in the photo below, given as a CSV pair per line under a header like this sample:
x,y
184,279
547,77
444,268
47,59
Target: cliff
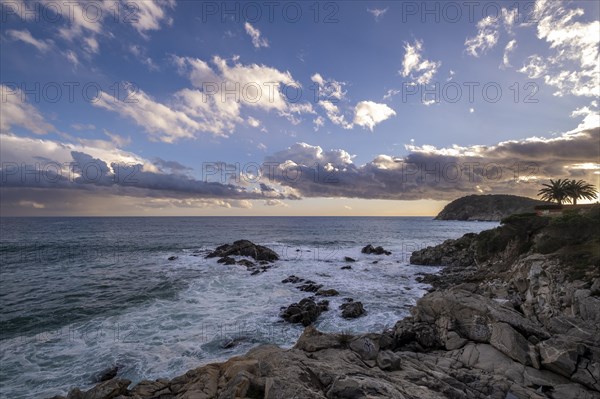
x,y
516,315
487,207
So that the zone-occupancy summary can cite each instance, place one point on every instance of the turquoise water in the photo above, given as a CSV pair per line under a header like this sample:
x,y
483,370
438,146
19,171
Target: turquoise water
x,y
79,295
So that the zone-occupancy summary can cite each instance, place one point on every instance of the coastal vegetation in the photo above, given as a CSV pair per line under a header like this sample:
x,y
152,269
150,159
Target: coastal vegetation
x,y
564,190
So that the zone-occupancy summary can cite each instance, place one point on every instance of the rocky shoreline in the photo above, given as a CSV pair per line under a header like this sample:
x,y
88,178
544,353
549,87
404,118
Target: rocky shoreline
x,y
515,314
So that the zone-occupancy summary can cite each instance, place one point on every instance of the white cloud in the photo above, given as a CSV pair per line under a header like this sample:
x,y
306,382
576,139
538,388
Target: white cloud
x,y
275,202
368,114
413,65
574,65
333,113
32,204
215,101
487,37
591,116
331,92
390,93
150,14
318,122
510,47
29,151
328,88
254,33
140,53
534,67
510,17
253,122
378,13
72,57
26,37
117,140
15,111
161,121
80,126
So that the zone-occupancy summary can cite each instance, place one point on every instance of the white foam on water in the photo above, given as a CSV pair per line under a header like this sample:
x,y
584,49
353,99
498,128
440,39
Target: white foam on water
x,y
222,304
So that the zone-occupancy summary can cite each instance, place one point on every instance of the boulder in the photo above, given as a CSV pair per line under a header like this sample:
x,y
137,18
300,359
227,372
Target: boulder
x,y
329,292
245,248
292,279
106,374
226,260
352,310
508,341
173,257
370,250
366,346
245,262
310,286
560,355
389,361
349,259
306,311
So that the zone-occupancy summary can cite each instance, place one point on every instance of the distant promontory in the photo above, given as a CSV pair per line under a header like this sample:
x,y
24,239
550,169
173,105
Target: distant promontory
x,y
492,207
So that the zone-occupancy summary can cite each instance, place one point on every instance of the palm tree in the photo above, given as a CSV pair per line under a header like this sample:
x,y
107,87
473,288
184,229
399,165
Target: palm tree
x,y
579,189
555,191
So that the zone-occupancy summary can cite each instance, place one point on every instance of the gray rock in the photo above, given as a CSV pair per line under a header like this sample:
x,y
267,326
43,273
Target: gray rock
x,y
559,355
352,310
245,248
514,345
367,347
389,361
371,250
306,311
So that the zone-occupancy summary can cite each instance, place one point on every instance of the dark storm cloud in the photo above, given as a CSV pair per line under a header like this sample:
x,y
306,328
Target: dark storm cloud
x,y
515,167
172,166
92,174
303,170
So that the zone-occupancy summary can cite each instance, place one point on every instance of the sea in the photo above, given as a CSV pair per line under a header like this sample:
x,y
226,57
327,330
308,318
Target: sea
x,y
79,295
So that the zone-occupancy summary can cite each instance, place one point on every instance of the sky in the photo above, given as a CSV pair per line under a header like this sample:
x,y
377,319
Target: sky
x,y
342,108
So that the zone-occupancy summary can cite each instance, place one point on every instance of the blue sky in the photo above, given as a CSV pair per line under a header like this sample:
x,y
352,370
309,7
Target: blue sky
x,y
370,128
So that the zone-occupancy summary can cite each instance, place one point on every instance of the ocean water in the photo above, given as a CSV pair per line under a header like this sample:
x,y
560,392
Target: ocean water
x,y
79,295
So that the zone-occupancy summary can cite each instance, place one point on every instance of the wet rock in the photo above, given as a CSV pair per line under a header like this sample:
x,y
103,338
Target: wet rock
x,y
328,292
246,262
349,259
352,310
173,257
310,286
306,311
106,374
346,267
292,279
371,250
245,248
226,260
